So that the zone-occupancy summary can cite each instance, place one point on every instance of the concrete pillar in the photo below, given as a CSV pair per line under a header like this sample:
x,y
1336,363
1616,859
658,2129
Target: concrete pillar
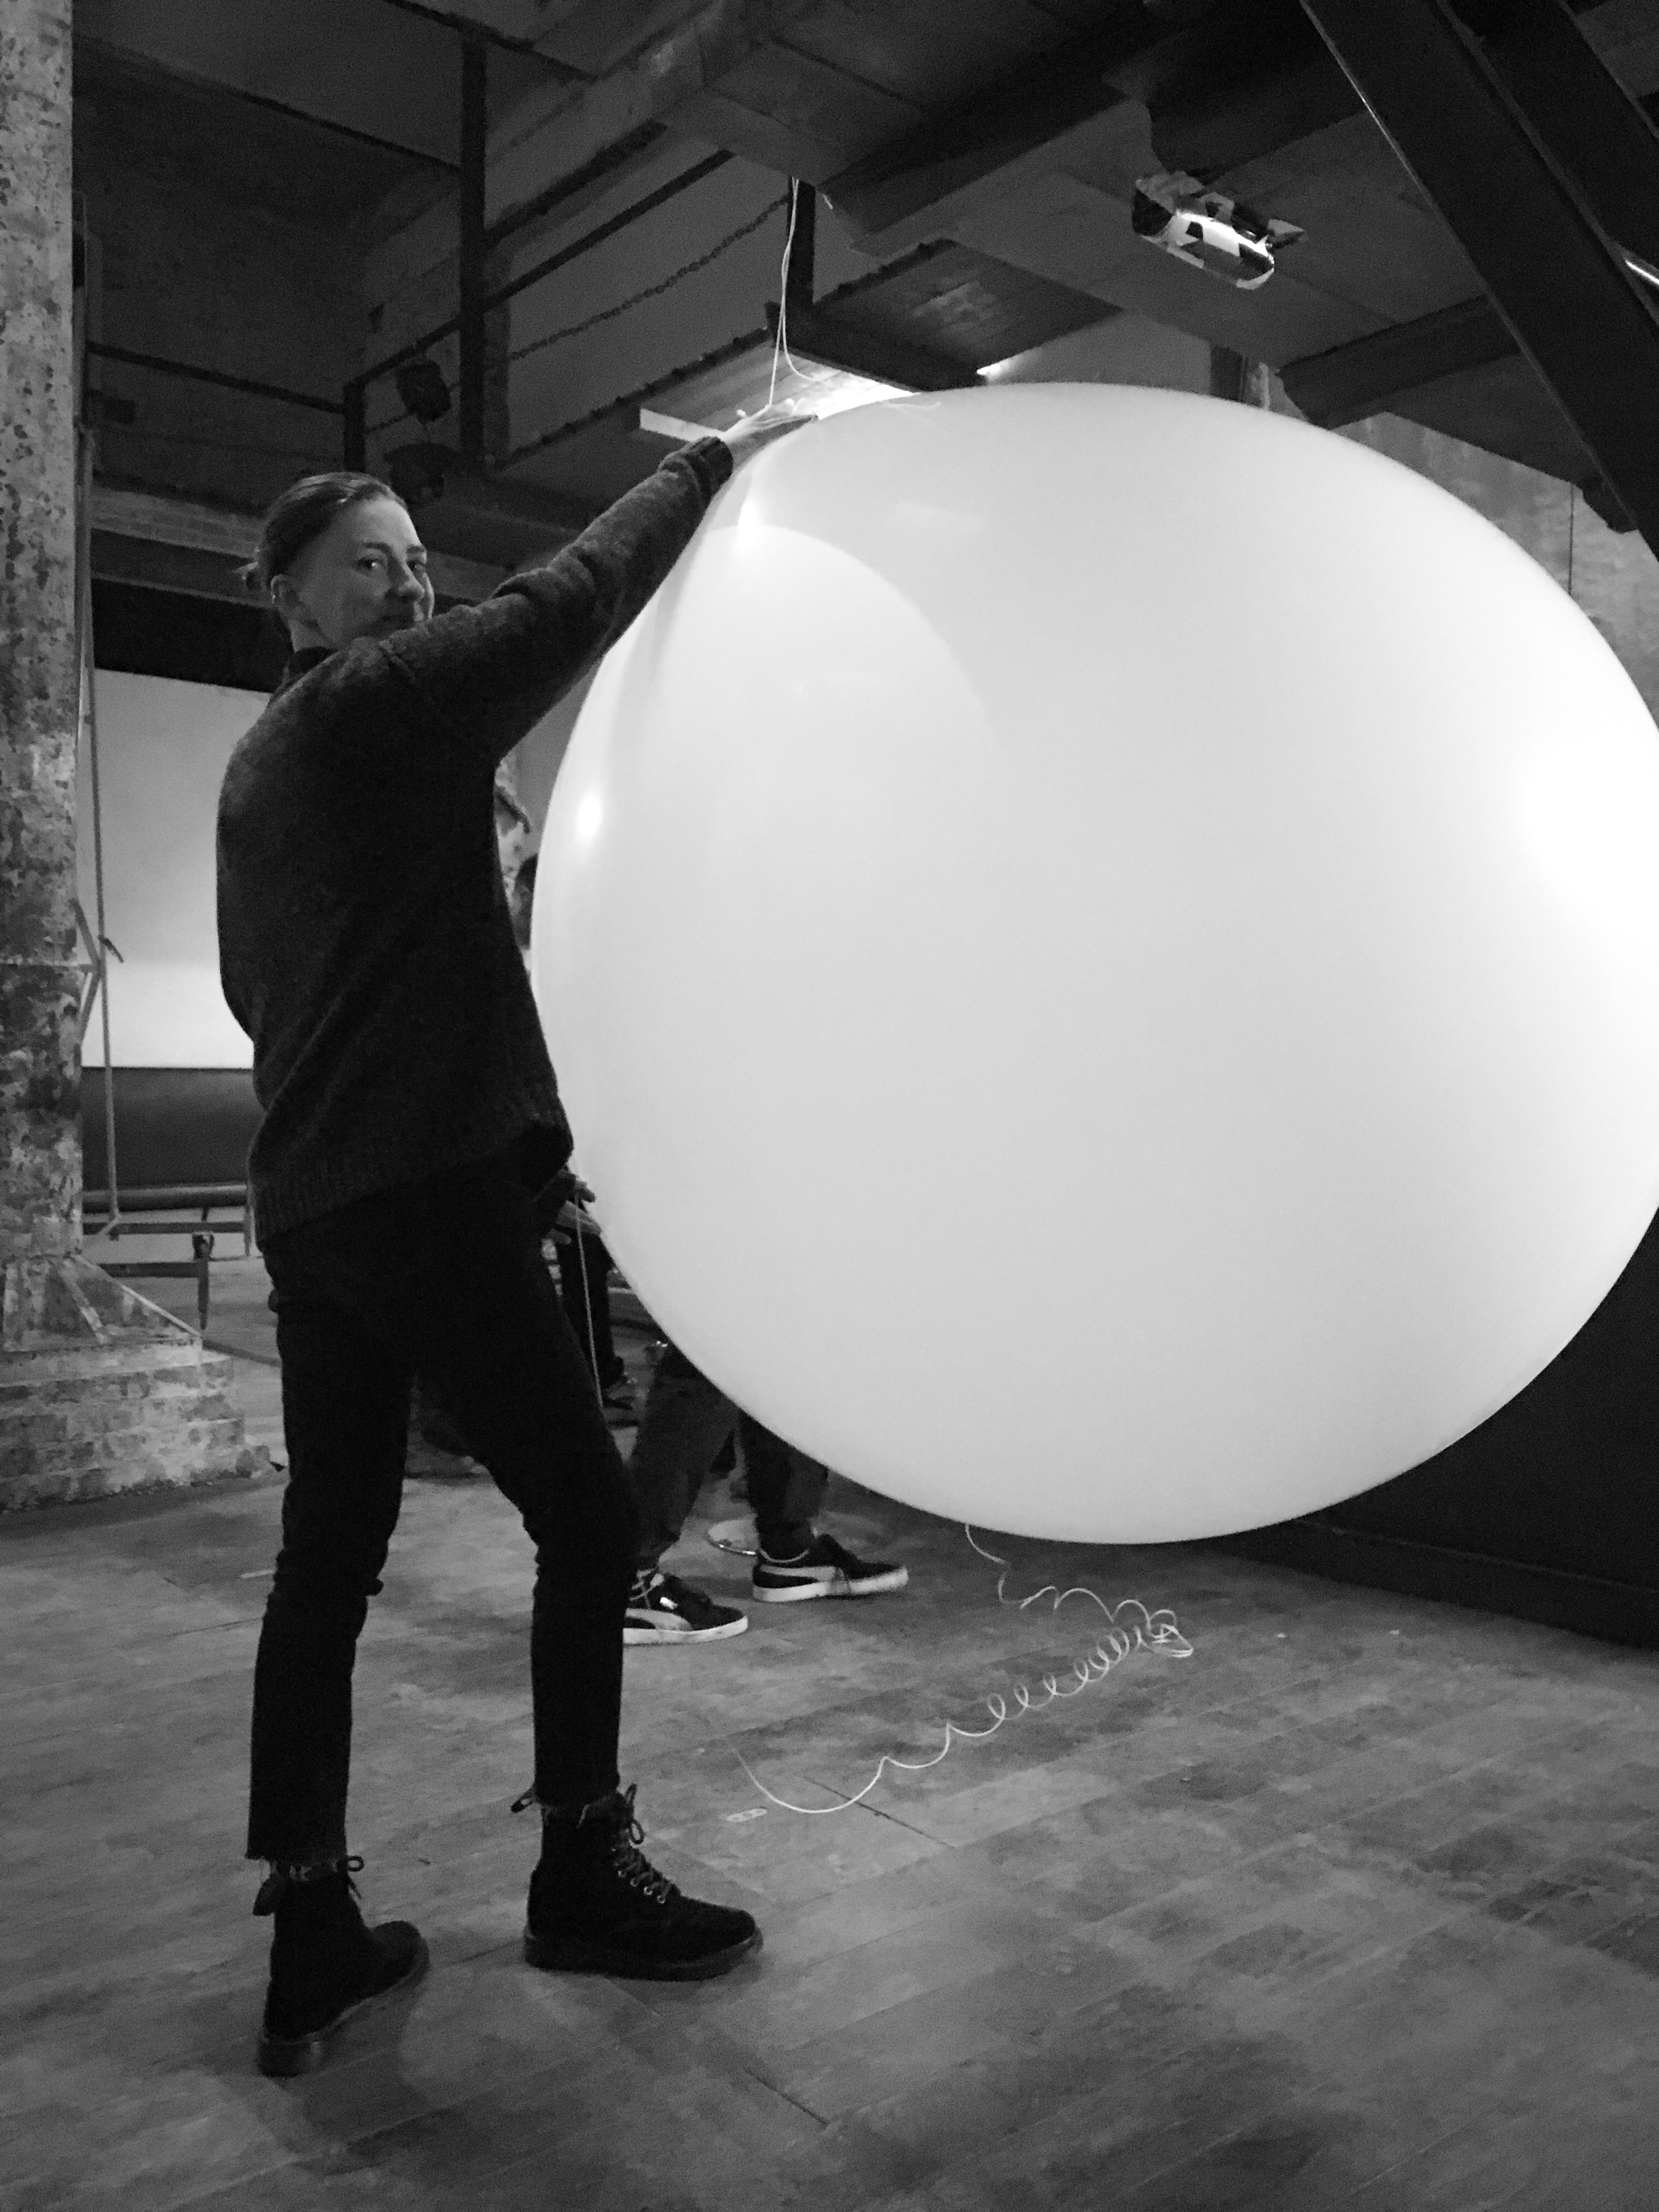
x,y
39,983
100,1390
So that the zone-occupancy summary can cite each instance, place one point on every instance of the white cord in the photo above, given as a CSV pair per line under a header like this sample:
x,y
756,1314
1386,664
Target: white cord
x,y
1158,1631
780,342
587,1300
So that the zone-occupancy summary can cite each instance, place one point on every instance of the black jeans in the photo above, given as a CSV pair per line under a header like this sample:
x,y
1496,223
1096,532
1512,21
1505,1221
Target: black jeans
x,y
444,1275
683,1424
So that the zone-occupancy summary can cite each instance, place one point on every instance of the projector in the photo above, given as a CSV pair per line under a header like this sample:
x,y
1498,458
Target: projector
x,y
1207,230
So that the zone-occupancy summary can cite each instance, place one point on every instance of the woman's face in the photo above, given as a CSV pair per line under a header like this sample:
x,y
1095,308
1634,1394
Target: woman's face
x,y
364,576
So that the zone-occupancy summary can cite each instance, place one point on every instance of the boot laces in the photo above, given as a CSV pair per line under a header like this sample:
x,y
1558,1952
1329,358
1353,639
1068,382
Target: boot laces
x,y
283,1878
630,1863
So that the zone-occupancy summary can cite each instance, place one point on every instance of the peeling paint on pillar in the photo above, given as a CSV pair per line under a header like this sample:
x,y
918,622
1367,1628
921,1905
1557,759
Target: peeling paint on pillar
x,y
39,712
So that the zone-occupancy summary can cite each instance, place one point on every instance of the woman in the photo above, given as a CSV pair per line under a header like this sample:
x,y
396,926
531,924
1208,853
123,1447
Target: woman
x,y
411,1117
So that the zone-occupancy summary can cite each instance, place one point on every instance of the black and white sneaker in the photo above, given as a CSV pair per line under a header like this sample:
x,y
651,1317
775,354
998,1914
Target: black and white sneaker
x,y
662,1609
824,1569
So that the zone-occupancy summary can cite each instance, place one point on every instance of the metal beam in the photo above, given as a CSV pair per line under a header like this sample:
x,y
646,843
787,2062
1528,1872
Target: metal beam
x,y
1585,116
309,116
475,149
619,155
584,243
473,28
214,376
628,215
1557,278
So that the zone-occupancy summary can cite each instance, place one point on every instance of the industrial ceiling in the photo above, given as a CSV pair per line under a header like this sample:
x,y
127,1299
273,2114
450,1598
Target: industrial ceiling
x,y
984,154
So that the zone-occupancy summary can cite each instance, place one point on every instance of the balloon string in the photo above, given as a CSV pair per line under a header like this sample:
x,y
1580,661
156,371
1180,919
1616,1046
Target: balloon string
x,y
780,342
1158,1631
584,1222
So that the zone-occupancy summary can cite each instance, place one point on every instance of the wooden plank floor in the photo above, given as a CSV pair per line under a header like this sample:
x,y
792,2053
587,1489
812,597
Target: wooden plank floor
x,y
1358,1905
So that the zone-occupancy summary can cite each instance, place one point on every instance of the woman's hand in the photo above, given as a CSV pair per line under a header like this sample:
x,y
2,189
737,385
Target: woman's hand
x,y
750,432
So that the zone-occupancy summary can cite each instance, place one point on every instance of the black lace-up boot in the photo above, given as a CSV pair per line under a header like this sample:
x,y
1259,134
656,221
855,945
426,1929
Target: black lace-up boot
x,y
326,1966
598,1906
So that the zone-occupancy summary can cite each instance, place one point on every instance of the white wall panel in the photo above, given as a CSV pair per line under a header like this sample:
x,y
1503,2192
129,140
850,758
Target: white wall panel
x,y
162,748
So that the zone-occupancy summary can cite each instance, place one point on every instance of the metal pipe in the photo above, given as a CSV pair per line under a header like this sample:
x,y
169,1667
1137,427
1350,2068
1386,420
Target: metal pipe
x,y
615,156
214,376
89,713
571,253
664,193
1512,201
1585,116
472,27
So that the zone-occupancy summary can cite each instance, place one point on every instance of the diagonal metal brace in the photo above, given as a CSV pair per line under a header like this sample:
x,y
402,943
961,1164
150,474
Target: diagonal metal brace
x,y
1488,156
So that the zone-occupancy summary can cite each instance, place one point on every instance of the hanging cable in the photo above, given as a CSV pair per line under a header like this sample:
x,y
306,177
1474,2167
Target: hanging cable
x,y
651,291
584,1222
623,307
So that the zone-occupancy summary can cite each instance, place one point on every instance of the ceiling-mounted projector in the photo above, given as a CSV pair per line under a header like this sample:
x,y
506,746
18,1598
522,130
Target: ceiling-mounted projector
x,y
1207,230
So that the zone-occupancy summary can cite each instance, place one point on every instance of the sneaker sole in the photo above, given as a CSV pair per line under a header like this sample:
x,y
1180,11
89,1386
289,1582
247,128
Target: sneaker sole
x,y
799,1592
573,1957
283,2056
674,1636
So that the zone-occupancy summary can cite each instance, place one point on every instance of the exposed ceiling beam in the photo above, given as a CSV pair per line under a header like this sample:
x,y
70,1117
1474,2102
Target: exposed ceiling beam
x,y
474,27
1513,201
1222,91
1236,86
356,389
604,166
1227,93
895,195
1349,382
193,374
625,408
140,75
1591,124
312,121
388,71
874,354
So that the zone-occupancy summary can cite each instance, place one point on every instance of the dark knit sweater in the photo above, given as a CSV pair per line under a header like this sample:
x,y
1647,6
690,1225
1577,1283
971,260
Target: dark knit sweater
x,y
364,940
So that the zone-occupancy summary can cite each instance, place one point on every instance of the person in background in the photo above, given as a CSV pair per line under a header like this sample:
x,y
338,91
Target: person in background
x,y
685,1423
515,833
411,1117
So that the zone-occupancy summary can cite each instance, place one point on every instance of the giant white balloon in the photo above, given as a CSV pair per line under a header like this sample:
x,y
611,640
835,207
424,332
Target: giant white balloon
x,y
1103,951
